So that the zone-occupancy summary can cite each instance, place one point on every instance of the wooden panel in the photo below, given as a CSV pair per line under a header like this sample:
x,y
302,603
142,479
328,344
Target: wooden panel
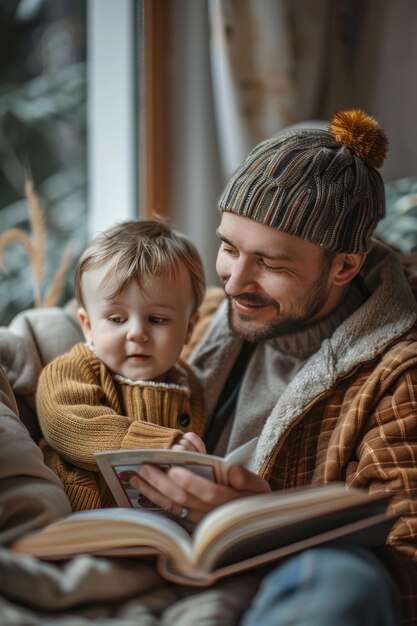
x,y
154,109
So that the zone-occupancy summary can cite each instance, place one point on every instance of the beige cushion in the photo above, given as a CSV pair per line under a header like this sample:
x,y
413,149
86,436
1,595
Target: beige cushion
x,y
32,340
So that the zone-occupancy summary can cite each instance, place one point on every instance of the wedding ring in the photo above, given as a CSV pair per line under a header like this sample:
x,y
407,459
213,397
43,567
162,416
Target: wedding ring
x,y
184,512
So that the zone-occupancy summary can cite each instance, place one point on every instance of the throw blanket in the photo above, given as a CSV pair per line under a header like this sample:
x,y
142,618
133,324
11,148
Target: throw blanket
x,y
103,592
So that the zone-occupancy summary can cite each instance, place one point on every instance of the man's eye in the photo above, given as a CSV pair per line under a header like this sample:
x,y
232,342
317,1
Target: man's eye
x,y
117,319
269,267
157,319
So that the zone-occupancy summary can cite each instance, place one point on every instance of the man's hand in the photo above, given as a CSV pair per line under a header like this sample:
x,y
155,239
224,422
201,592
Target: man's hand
x,y
180,489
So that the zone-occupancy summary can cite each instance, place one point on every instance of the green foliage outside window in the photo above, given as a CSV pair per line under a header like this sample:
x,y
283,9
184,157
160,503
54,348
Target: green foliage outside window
x,y
43,86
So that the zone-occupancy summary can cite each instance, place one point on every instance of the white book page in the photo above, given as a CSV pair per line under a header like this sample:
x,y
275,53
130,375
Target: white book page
x,y
101,529
118,467
298,501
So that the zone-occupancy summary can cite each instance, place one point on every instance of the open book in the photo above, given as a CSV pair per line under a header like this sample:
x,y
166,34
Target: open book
x,y
118,466
234,537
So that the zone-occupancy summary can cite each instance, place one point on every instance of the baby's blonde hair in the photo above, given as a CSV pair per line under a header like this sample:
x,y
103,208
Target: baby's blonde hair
x,y
139,250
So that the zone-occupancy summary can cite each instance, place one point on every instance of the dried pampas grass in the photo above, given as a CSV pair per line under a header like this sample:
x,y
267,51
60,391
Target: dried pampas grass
x,y
35,245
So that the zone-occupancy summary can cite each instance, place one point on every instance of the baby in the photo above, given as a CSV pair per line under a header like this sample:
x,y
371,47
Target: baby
x,y
139,286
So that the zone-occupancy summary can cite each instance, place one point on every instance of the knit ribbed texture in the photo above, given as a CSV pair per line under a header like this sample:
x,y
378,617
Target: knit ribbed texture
x,y
307,184
82,409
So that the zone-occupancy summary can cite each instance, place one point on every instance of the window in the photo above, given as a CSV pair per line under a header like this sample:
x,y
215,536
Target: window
x,y
43,133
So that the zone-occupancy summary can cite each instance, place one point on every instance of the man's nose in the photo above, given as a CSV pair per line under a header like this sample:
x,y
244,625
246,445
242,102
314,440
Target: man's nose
x,y
240,278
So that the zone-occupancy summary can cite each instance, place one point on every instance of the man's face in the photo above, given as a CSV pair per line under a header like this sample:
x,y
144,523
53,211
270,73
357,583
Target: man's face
x,y
276,282
140,333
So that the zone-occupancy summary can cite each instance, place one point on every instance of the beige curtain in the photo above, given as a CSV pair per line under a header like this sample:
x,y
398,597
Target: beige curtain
x,y
276,62
253,73
241,70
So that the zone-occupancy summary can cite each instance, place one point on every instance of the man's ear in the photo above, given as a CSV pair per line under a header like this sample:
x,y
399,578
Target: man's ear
x,y
85,324
191,324
346,266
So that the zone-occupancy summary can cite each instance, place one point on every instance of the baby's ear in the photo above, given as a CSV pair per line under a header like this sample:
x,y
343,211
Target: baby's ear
x,y
191,324
85,324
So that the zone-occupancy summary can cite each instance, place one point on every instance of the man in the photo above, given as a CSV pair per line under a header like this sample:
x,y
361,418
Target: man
x,y
314,351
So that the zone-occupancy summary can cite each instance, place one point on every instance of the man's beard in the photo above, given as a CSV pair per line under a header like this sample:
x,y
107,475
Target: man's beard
x,y
242,324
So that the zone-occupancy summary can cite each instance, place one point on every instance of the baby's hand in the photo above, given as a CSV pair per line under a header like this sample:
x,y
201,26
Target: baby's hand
x,y
190,442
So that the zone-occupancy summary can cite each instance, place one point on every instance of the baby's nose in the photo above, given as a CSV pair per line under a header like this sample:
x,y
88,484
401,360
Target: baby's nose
x,y
137,332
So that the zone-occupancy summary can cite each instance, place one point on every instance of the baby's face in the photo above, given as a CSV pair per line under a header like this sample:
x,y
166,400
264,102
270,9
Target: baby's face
x,y
139,334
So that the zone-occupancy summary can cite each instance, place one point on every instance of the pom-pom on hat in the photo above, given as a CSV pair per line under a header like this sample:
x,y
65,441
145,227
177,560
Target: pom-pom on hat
x,y
322,186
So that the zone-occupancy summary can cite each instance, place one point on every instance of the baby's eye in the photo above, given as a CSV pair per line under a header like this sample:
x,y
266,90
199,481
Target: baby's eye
x,y
157,320
229,250
117,319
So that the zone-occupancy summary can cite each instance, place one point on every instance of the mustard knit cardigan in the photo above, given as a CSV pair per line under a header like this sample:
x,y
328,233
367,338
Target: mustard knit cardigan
x,y
82,408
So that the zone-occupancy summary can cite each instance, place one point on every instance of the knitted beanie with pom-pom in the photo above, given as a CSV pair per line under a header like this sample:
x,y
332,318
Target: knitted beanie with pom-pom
x,y
322,186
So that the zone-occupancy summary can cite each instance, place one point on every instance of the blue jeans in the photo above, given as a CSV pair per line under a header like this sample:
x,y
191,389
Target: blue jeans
x,y
326,586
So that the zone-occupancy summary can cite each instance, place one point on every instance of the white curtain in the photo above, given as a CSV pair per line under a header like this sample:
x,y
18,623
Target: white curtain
x,y
196,175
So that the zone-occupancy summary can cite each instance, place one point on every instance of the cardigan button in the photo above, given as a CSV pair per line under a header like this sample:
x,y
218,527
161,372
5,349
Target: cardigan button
x,y
184,420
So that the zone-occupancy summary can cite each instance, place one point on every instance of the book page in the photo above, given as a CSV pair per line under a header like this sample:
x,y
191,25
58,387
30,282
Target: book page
x,y
102,530
228,524
370,532
118,467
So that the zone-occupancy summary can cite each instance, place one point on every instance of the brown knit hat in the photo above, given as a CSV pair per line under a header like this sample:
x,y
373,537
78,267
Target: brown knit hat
x,y
319,185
